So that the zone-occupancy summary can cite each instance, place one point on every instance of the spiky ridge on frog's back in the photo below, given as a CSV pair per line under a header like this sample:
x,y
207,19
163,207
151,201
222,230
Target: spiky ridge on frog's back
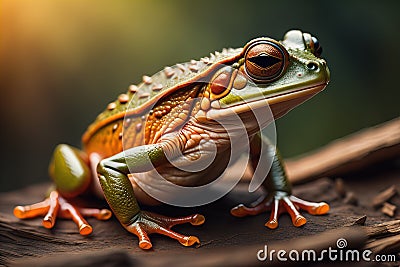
x,y
140,99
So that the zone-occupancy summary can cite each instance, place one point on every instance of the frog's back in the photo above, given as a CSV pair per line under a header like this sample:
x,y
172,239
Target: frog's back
x,y
127,115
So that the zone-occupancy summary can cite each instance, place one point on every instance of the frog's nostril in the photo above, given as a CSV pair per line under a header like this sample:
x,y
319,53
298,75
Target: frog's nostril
x,y
312,66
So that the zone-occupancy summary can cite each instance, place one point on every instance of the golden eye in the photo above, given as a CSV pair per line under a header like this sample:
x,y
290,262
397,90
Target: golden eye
x,y
265,60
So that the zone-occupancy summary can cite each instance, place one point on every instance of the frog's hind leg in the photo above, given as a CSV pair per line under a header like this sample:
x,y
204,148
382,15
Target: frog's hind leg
x,y
71,174
55,207
48,208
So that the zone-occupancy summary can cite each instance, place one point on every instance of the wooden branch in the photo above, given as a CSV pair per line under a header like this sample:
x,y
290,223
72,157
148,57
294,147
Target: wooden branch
x,y
386,228
384,237
384,196
349,154
238,256
388,209
384,245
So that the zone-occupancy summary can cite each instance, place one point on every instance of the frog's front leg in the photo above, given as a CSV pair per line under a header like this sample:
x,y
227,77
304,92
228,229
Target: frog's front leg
x,y
71,175
119,193
279,198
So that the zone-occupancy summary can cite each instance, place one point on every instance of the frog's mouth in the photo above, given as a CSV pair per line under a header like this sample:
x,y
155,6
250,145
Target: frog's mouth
x,y
279,104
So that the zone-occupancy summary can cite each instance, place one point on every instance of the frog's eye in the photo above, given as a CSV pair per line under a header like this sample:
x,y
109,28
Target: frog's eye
x,y
265,60
312,44
317,48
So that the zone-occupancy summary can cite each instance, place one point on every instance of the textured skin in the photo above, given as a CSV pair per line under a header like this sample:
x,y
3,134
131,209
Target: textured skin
x,y
122,194
140,99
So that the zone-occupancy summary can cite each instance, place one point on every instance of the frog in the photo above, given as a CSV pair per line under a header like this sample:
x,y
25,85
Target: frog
x,y
171,116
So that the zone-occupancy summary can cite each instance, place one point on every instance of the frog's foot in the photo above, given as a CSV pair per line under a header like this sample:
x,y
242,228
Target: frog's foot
x,y
56,206
278,203
148,223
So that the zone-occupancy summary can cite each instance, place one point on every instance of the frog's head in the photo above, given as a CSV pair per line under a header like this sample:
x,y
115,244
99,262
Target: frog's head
x,y
281,74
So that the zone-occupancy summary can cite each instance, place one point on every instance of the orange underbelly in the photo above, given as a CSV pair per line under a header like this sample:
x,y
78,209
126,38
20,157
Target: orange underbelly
x,y
112,138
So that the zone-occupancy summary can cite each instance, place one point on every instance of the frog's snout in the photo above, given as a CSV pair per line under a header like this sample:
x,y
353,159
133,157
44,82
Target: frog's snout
x,y
319,66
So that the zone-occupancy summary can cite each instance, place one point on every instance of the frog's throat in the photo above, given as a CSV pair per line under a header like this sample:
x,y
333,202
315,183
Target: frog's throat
x,y
279,104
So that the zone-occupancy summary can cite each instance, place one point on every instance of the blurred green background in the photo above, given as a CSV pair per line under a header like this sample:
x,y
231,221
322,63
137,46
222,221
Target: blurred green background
x,y
62,61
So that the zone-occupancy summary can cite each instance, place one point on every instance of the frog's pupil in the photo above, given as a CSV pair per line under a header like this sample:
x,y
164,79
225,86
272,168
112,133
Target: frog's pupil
x,y
264,60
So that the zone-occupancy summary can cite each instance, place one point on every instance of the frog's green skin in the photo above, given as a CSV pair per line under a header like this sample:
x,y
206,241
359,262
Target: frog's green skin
x,y
167,116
